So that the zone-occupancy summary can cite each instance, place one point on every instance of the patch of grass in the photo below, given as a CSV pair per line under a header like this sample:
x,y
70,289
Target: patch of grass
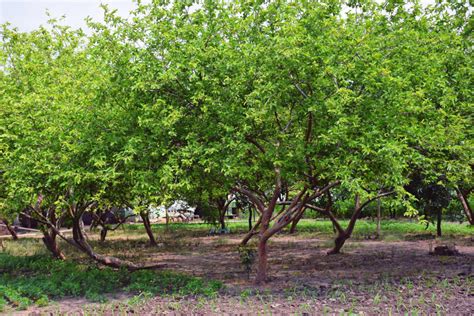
x,y
24,247
36,279
364,227
171,283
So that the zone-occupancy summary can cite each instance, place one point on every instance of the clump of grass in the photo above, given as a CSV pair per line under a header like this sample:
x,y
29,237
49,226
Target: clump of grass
x,y
36,279
24,247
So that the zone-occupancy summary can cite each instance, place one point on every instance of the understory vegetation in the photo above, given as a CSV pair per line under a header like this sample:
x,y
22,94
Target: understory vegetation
x,y
30,279
27,280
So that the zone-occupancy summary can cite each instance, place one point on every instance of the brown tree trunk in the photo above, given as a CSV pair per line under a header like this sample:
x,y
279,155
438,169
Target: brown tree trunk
x,y
295,222
465,205
10,229
49,237
222,219
103,234
262,244
267,209
262,262
252,232
146,223
438,222
379,215
346,234
79,241
338,243
250,219
49,240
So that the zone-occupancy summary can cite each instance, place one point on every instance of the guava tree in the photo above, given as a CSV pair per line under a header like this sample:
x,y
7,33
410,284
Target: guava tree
x,y
39,84
272,98
62,138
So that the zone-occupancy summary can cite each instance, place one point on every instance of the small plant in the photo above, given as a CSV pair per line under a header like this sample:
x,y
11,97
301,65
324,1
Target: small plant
x,y
246,293
377,299
247,258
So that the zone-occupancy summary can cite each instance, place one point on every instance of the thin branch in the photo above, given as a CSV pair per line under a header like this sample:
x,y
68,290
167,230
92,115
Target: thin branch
x,y
254,142
252,197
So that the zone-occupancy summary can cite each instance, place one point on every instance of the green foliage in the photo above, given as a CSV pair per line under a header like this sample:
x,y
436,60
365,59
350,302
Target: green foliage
x,y
36,279
125,115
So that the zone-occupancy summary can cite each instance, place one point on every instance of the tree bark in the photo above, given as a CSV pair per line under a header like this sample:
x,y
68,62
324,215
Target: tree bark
x,y
379,215
49,240
250,219
146,223
338,243
49,236
80,242
281,221
295,222
103,234
252,232
343,235
262,262
10,229
465,205
222,219
438,222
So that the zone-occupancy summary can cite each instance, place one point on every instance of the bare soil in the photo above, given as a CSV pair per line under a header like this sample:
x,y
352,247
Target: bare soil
x,y
369,277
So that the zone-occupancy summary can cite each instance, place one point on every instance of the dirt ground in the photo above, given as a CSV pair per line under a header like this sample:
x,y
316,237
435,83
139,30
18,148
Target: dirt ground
x,y
369,277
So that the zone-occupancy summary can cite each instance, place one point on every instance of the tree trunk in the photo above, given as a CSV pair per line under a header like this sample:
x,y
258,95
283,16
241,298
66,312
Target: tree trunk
x,y
250,218
438,222
295,222
146,223
222,219
262,262
103,234
11,230
379,215
346,234
338,243
80,242
262,243
49,240
252,232
465,205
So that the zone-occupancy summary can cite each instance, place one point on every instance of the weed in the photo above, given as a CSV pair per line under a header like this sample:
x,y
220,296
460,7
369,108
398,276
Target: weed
x,y
245,294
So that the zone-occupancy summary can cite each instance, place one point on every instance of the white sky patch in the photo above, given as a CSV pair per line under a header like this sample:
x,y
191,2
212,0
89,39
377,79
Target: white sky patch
x,y
28,15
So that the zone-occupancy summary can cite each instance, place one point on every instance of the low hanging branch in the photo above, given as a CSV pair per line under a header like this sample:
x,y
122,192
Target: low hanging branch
x,y
80,242
10,229
252,232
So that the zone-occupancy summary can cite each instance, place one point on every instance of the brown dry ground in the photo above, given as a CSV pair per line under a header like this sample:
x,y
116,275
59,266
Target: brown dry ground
x,y
369,277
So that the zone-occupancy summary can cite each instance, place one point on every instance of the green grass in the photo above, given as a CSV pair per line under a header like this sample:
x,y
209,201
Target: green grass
x,y
363,228
36,279
388,227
